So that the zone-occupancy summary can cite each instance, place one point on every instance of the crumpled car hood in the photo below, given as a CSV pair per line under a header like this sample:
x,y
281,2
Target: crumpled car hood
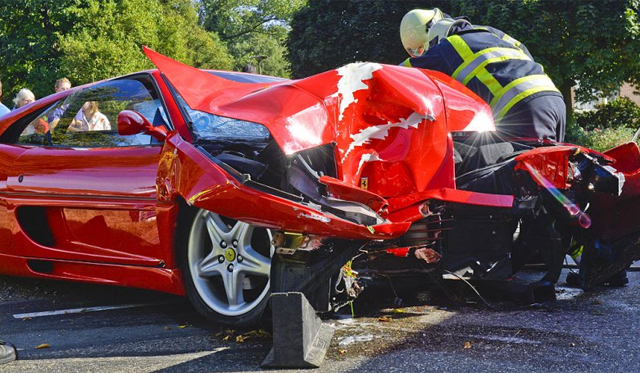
x,y
391,127
314,111
370,111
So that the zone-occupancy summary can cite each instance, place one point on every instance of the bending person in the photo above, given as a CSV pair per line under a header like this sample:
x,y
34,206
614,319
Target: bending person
x,y
498,68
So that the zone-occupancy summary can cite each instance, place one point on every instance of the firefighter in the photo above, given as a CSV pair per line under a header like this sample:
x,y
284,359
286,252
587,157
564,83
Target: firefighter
x,y
498,68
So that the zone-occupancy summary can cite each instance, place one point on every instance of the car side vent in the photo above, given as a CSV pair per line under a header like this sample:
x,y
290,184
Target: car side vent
x,y
33,221
40,266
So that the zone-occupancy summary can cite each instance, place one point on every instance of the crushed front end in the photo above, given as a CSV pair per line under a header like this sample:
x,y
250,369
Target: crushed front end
x,y
361,162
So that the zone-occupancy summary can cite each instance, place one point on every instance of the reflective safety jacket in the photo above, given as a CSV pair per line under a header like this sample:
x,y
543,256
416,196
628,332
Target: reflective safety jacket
x,y
493,65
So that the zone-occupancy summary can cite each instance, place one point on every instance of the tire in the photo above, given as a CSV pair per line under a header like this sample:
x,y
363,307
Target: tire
x,y
226,267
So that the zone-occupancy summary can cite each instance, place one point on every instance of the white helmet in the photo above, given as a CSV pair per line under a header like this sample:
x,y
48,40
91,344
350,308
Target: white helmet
x,y
414,27
441,29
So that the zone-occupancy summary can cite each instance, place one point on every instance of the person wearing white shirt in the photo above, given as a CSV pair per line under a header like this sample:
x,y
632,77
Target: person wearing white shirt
x,y
3,109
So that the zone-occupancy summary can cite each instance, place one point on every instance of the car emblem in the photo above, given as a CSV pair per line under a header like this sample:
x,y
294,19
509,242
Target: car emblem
x,y
230,255
364,183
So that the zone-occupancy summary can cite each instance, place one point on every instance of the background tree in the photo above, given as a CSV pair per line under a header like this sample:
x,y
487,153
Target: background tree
x,y
88,40
106,40
245,52
29,48
327,34
252,28
595,43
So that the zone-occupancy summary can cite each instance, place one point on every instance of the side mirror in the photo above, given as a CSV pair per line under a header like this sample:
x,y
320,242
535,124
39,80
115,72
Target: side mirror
x,y
132,123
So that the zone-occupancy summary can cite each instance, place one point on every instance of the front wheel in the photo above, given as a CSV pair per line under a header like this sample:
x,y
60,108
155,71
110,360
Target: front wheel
x,y
226,266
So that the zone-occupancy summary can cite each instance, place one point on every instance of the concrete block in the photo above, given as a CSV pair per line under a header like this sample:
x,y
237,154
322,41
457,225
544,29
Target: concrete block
x,y
300,339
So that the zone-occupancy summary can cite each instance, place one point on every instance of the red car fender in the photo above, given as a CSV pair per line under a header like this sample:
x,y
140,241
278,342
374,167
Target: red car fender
x,y
552,163
615,217
205,185
388,122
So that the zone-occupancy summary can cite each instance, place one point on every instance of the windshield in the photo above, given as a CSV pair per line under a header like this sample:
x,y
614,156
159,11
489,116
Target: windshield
x,y
210,127
246,78
207,126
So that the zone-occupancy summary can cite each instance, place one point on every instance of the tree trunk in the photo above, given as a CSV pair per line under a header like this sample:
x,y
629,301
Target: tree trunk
x,y
565,90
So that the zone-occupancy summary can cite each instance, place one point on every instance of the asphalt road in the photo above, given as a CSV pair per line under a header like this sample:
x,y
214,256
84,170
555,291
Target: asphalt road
x,y
64,327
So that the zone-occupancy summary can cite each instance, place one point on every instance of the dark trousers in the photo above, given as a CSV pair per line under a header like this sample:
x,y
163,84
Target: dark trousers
x,y
543,117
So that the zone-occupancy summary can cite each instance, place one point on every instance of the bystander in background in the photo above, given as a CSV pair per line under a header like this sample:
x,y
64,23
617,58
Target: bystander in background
x,y
89,118
24,97
62,84
3,109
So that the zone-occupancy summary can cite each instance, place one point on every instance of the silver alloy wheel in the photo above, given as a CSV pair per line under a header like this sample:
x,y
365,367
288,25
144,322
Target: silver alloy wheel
x,y
229,263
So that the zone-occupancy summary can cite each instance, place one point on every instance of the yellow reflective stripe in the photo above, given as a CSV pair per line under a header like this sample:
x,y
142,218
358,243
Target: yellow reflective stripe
x,y
516,86
511,41
522,96
407,63
474,63
461,47
576,252
490,81
468,70
505,37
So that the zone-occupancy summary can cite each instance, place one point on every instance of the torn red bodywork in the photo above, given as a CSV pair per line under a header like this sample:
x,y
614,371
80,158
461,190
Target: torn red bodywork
x,y
394,152
380,118
367,158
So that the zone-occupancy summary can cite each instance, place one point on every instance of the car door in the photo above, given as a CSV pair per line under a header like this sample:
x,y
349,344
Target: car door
x,y
80,191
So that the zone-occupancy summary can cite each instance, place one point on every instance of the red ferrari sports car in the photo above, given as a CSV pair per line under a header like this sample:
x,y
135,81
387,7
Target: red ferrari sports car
x,y
225,186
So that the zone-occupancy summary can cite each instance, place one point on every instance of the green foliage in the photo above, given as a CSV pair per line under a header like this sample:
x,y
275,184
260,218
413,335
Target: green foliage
x,y
252,28
598,139
88,40
330,33
575,134
181,37
253,45
107,41
621,112
233,19
29,49
595,42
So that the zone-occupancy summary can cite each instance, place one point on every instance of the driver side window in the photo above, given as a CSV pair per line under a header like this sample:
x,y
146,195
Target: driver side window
x,y
89,118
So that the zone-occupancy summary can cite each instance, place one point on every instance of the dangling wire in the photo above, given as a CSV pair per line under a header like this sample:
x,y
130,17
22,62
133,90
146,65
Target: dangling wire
x,y
489,305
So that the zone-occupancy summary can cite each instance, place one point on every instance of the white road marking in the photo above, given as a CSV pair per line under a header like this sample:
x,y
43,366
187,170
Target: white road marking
x,y
157,363
497,338
85,309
